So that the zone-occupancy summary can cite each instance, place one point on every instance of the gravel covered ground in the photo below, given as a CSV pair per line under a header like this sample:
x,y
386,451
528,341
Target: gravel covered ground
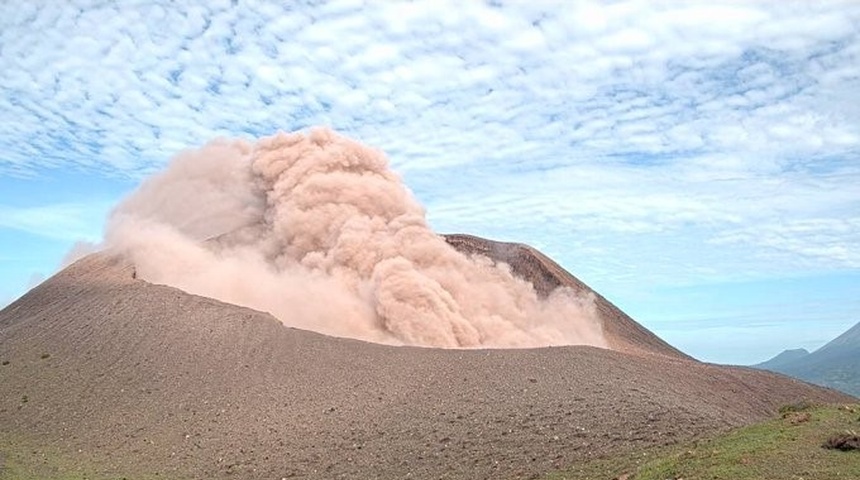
x,y
129,378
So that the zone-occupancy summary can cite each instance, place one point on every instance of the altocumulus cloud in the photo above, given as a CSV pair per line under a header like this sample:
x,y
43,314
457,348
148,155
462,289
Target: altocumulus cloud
x,y
626,135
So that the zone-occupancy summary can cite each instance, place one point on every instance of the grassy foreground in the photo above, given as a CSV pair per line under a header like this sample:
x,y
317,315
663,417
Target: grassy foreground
x,y
788,447
23,459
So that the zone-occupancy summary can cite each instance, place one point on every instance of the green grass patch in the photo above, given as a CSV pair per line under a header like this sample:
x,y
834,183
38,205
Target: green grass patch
x,y
788,447
22,461
25,459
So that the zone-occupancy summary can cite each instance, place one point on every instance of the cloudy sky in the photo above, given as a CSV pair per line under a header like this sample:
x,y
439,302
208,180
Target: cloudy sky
x,y
697,163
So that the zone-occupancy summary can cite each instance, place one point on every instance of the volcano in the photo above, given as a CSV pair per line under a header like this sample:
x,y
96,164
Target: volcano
x,y
120,377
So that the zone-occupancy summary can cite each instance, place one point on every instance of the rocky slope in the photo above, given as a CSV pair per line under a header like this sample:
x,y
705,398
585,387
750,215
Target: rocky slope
x,y
126,378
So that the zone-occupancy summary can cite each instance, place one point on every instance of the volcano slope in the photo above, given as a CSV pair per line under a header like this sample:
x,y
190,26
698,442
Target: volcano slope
x,y
122,378
621,331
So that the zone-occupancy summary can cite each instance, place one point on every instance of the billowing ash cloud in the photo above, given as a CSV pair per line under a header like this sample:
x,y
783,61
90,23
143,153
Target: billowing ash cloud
x,y
317,230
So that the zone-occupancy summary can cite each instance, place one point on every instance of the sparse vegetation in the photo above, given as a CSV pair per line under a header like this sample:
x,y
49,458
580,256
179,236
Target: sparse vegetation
x,y
22,459
798,417
796,407
777,449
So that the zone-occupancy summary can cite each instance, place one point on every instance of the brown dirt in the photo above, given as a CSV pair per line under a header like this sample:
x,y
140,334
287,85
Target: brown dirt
x,y
146,379
796,418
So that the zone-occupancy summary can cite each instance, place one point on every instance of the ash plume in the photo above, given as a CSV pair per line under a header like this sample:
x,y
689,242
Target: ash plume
x,y
318,231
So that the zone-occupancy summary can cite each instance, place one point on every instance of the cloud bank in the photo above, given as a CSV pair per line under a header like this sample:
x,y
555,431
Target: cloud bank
x,y
609,133
317,230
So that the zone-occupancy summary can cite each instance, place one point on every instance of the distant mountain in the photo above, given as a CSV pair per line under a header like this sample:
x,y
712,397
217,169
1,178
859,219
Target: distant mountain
x,y
835,365
785,358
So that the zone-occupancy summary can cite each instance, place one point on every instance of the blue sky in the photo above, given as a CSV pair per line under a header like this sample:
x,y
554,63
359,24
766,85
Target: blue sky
x,y
695,162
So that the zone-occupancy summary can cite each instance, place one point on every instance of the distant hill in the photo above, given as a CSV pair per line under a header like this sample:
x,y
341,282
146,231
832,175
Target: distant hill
x,y
835,365
787,357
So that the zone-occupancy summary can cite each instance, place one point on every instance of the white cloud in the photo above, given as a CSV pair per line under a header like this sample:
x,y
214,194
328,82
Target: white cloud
x,y
69,222
657,130
815,241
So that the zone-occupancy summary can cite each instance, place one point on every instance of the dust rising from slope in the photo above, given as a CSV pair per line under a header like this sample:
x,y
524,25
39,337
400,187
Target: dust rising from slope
x,y
317,230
